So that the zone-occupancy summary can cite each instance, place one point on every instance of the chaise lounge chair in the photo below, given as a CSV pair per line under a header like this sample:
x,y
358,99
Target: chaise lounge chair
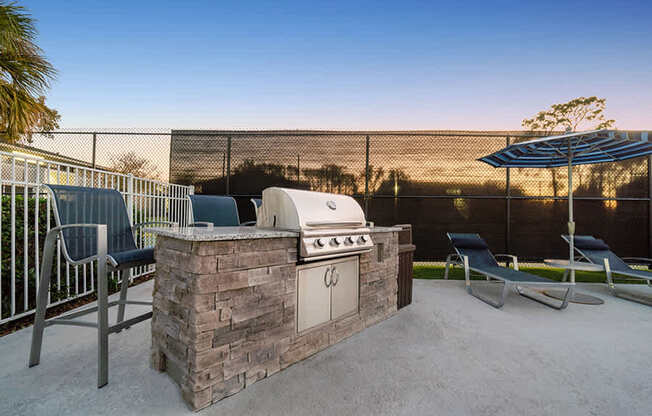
x,y
598,252
472,253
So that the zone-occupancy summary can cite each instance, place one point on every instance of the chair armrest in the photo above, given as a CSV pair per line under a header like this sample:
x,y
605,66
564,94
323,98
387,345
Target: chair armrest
x,y
643,261
53,232
514,259
248,223
454,258
145,224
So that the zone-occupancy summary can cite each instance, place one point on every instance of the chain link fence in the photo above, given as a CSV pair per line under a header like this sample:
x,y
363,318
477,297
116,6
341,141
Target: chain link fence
x,y
430,179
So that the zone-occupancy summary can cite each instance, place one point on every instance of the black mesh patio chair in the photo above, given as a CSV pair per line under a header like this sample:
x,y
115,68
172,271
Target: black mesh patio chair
x,y
92,224
213,210
596,251
473,254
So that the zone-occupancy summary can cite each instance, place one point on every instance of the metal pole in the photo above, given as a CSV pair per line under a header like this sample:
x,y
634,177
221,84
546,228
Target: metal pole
x,y
94,148
298,167
508,207
649,205
228,165
223,164
571,222
366,179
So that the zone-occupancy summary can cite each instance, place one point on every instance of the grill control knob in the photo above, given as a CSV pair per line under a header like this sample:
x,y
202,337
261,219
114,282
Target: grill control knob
x,y
349,240
362,239
336,241
320,243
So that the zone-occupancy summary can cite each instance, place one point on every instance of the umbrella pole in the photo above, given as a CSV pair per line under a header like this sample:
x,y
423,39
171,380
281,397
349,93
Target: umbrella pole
x,y
571,222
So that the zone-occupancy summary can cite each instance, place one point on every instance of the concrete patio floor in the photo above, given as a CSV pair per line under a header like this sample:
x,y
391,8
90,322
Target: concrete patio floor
x,y
447,353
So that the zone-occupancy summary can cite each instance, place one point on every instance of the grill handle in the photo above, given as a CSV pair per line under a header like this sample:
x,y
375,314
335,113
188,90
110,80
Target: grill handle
x,y
336,274
332,224
327,282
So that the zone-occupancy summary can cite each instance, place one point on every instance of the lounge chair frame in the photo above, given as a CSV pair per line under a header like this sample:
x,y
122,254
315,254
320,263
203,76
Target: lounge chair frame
x,y
613,290
458,259
105,264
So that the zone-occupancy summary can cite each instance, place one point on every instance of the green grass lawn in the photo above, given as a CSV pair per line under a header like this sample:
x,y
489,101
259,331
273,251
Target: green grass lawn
x,y
457,273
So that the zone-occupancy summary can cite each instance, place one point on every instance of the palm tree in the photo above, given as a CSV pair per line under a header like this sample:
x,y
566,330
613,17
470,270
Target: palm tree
x,y
25,75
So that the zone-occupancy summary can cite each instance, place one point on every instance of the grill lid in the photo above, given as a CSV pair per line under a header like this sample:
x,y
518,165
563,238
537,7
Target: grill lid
x,y
294,209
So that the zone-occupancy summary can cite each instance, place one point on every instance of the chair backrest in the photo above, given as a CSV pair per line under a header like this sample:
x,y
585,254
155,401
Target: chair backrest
x,y
257,203
81,205
221,211
475,248
595,250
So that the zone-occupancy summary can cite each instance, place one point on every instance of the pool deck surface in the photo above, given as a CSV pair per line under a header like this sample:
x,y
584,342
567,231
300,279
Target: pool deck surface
x,y
446,354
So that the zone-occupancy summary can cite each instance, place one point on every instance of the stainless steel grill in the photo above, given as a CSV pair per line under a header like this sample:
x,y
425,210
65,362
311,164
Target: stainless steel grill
x,y
330,225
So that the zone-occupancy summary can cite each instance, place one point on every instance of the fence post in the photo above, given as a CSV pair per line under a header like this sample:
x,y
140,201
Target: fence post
x,y
94,149
228,165
508,209
298,168
649,205
366,179
130,197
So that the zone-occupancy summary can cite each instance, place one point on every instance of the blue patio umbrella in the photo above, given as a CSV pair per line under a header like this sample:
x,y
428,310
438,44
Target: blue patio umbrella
x,y
586,147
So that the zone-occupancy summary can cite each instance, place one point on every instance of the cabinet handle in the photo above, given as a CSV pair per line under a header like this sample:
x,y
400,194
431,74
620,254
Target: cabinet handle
x,y
334,273
327,282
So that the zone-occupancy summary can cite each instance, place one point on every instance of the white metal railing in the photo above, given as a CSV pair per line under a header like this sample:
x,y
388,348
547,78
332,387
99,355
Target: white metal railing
x,y
26,218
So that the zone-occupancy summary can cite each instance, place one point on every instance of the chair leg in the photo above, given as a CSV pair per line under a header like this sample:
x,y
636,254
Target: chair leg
x,y
565,276
542,299
448,265
610,283
126,277
42,299
102,310
495,303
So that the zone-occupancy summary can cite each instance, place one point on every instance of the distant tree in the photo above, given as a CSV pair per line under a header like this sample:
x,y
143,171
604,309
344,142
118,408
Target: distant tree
x,y
130,162
25,75
580,113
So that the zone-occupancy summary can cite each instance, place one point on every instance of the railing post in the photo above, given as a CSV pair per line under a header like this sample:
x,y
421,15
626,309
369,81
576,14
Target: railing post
x,y
508,208
94,149
130,197
228,166
366,179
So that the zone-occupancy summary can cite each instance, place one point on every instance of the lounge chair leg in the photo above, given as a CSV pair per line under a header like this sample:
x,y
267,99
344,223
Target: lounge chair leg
x,y
449,263
564,278
612,288
126,277
496,304
542,299
102,310
42,299
610,283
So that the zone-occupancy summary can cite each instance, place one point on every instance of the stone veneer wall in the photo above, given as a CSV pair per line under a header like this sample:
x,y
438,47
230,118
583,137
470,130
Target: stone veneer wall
x,y
224,311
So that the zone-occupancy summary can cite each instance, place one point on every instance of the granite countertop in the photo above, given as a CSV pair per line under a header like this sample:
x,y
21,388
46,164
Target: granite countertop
x,y
384,229
234,233
219,233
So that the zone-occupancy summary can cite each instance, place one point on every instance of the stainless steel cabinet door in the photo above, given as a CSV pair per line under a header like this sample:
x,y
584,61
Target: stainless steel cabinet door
x,y
345,288
313,297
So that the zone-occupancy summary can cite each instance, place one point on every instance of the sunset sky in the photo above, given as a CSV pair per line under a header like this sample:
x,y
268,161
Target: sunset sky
x,y
342,65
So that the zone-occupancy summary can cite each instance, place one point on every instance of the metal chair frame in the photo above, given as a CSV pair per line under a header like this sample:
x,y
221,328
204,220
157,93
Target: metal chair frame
x,y
105,264
458,259
609,274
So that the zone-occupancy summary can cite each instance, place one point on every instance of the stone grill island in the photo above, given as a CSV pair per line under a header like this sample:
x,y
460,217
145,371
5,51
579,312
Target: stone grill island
x,y
225,307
